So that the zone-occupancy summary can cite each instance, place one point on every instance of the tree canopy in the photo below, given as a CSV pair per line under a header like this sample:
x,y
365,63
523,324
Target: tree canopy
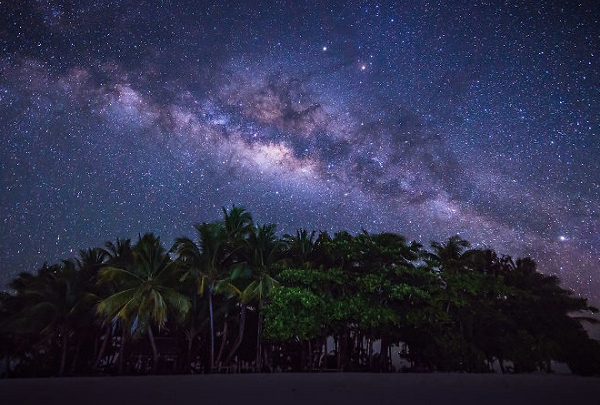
x,y
238,296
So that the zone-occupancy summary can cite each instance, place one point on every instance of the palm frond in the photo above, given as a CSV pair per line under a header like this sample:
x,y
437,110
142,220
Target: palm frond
x,y
227,288
111,306
115,274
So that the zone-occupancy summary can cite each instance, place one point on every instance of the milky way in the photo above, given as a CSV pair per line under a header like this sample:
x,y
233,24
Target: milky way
x,y
428,119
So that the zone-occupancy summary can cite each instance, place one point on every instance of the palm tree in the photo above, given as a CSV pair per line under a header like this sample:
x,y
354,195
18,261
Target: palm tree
x,y
146,293
243,301
551,315
88,264
7,343
207,262
450,258
449,255
91,259
203,263
262,249
52,303
238,224
301,248
118,254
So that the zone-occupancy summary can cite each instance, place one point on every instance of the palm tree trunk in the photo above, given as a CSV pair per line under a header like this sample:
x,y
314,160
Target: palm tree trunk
x,y
370,353
189,356
191,334
338,350
7,364
258,364
63,356
240,337
343,353
75,358
324,354
122,352
267,358
154,349
107,337
212,329
383,355
192,352
223,342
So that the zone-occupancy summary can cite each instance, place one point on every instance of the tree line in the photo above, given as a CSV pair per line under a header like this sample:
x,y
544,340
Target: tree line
x,y
238,297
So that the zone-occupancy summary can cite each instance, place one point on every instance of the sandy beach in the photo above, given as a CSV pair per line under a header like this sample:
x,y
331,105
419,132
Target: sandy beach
x,y
317,388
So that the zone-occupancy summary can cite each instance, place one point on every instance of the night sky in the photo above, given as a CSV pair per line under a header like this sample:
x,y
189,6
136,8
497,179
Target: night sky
x,y
424,118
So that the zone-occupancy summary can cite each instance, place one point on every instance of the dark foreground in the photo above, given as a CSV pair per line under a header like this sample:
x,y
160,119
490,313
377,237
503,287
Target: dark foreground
x,y
311,389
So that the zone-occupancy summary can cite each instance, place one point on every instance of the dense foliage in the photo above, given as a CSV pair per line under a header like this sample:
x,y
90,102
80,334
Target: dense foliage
x,y
237,297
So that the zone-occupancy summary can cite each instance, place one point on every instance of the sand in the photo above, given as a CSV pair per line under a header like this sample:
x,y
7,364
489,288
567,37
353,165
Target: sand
x,y
316,388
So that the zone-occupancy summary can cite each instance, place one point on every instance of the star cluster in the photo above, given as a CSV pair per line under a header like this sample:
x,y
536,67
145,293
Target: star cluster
x,y
428,119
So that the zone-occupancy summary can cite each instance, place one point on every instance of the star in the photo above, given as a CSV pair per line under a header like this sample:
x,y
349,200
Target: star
x,y
335,118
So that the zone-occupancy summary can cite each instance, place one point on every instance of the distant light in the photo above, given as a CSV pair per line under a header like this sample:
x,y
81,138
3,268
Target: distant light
x,y
562,238
324,48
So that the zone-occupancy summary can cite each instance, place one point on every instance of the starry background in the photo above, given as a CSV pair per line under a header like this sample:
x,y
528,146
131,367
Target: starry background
x,y
426,118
